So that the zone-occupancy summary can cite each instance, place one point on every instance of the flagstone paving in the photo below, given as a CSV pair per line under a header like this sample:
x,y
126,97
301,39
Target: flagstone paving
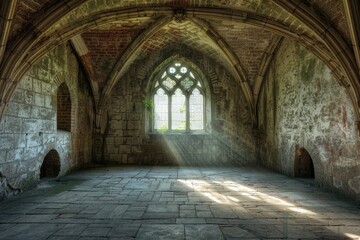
x,y
178,203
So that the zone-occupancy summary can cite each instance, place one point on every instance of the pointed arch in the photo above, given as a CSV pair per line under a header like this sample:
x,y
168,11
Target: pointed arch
x,y
303,163
24,42
264,66
64,108
7,7
338,47
179,78
84,58
124,62
51,165
324,46
68,101
352,9
232,58
13,58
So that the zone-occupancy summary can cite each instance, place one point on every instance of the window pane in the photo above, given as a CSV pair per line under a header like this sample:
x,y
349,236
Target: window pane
x,y
172,70
161,116
169,83
196,104
187,83
178,111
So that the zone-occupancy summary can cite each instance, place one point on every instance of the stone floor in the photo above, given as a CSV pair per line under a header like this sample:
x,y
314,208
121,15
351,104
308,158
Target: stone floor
x,y
178,203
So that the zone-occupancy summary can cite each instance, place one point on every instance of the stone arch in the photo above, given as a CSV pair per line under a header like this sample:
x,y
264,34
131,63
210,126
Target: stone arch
x,y
303,163
51,165
167,61
34,48
207,66
62,81
315,155
157,71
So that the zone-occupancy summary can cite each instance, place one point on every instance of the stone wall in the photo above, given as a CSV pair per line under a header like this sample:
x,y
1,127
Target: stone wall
x,y
127,139
302,106
28,129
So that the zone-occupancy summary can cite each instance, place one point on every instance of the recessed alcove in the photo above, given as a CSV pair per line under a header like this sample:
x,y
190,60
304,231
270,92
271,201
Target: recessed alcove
x,y
303,165
50,167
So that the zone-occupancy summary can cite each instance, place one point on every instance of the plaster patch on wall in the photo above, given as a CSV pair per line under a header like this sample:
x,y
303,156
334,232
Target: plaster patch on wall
x,y
346,163
337,183
354,184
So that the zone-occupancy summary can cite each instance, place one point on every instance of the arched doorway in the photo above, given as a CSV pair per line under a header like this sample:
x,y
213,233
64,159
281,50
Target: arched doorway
x,y
63,108
51,165
303,165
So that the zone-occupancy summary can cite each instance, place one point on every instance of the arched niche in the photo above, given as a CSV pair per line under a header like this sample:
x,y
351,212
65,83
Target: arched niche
x,y
303,164
51,165
63,108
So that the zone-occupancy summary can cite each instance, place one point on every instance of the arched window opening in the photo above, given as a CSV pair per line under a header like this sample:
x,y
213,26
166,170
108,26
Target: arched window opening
x,y
196,110
51,165
303,165
63,108
179,101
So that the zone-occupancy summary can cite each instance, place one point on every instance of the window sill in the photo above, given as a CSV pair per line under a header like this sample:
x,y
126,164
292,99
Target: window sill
x,y
167,133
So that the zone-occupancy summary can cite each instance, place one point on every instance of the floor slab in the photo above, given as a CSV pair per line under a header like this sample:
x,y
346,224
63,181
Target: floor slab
x,y
178,203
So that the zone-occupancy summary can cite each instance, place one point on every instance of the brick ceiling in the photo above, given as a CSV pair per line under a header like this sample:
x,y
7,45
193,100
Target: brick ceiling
x,y
107,41
235,33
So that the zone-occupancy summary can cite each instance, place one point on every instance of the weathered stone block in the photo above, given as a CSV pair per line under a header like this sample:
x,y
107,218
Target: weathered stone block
x,y
136,149
32,152
111,149
26,83
46,113
18,96
20,140
134,116
115,157
130,133
133,125
49,126
15,154
29,97
124,149
117,124
31,125
49,103
124,158
133,140
13,125
13,109
6,141
119,140
3,156
46,88
110,140
2,125
24,110
37,86
33,140
39,99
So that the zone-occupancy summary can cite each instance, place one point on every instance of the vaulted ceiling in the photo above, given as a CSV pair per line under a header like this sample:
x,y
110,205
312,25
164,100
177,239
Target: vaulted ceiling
x,y
240,35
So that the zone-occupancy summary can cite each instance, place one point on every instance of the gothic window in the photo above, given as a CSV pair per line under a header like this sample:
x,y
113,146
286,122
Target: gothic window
x,y
179,102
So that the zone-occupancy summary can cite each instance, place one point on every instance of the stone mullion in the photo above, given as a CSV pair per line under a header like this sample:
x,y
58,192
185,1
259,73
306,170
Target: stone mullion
x,y
169,112
187,102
